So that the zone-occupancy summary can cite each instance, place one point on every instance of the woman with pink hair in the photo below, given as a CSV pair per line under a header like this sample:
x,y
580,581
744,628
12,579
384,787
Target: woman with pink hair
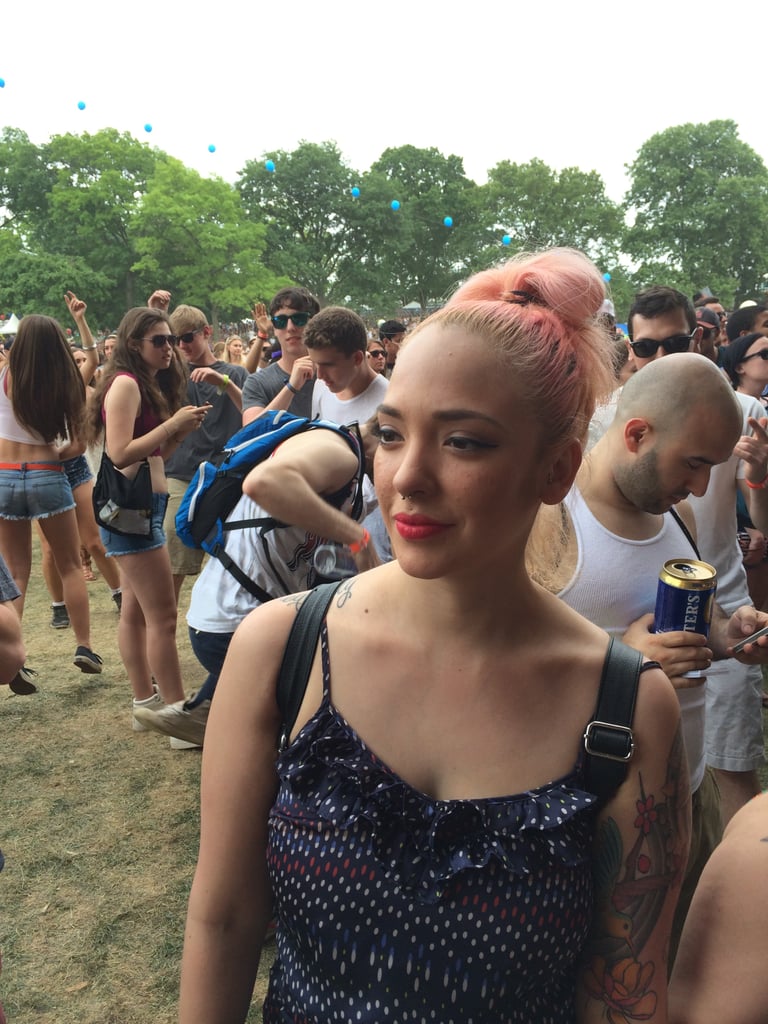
x,y
430,838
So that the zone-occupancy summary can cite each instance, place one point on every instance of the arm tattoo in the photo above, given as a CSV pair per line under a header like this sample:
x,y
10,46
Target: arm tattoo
x,y
630,891
344,593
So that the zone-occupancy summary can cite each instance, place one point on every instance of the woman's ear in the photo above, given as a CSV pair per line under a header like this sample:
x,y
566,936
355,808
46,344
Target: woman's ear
x,y
561,473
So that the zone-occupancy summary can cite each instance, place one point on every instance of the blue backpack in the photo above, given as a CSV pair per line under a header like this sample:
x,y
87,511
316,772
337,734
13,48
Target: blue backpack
x,y
217,486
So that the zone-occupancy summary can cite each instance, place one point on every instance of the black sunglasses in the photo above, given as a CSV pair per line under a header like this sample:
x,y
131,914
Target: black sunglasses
x,y
377,353
159,340
646,347
762,354
297,319
187,337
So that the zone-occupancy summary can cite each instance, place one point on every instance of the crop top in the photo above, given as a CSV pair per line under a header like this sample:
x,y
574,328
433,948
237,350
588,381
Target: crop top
x,y
146,420
10,428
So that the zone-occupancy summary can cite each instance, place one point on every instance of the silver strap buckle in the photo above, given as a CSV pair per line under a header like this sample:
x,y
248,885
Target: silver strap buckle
x,y
623,730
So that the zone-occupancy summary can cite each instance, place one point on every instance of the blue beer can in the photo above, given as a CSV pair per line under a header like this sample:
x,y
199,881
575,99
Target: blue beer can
x,y
685,596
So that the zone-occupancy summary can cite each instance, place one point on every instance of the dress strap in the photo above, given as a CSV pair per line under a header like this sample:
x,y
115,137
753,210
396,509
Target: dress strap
x,y
326,658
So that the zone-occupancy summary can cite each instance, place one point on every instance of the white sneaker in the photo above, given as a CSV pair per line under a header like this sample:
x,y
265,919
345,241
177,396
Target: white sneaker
x,y
184,725
176,743
155,702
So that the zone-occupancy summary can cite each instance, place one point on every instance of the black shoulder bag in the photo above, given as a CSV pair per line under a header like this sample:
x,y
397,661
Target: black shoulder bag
x,y
122,505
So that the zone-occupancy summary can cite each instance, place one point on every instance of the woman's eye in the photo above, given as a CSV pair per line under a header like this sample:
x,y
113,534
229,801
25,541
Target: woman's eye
x,y
387,435
468,444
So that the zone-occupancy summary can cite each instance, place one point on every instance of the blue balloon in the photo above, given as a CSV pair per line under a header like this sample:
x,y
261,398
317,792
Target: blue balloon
x,y
147,127
606,277
448,221
211,148
81,105
2,83
270,166
506,239
395,204
355,191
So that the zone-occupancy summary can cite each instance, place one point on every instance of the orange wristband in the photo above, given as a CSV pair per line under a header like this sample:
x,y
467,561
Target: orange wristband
x,y
758,487
362,544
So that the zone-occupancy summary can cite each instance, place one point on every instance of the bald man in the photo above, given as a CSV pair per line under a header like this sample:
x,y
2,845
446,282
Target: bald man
x,y
674,422
662,322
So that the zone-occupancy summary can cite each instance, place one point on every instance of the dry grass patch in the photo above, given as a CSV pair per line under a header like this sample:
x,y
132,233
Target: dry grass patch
x,y
99,828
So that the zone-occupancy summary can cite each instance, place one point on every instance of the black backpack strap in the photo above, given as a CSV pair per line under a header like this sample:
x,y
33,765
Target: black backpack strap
x,y
245,581
299,655
608,739
684,528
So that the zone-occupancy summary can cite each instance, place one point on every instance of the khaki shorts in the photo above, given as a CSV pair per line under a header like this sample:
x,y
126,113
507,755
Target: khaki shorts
x,y
184,561
734,722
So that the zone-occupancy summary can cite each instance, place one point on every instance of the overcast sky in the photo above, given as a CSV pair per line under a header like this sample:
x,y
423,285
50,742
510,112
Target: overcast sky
x,y
575,84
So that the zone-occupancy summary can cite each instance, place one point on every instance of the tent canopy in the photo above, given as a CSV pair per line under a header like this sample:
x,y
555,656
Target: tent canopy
x,y
10,326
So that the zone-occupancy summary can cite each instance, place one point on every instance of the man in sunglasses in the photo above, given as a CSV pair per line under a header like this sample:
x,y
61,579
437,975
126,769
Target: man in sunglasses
x,y
662,321
713,305
711,333
288,382
211,382
391,334
378,357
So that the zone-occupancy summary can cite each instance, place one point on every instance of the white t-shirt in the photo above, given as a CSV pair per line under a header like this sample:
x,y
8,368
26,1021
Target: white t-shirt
x,y
716,520
354,410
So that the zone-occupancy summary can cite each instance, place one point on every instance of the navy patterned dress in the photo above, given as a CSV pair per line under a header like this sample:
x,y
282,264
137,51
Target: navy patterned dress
x,y
393,906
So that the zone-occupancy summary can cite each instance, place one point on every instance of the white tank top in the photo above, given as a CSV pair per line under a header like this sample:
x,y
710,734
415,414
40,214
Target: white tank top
x,y
615,582
10,428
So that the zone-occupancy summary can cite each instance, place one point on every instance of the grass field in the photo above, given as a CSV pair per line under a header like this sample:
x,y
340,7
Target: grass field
x,y
99,828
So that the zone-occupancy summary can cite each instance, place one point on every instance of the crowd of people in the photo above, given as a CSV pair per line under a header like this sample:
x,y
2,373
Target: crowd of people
x,y
506,802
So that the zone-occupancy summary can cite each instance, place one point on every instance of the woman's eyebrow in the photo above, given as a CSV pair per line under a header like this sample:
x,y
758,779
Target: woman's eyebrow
x,y
443,414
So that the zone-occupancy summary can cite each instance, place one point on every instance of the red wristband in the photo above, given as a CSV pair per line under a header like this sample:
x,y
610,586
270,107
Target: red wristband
x,y
362,544
262,337
758,487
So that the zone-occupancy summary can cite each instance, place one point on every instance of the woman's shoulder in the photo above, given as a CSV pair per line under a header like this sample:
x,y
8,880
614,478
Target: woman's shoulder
x,y
123,386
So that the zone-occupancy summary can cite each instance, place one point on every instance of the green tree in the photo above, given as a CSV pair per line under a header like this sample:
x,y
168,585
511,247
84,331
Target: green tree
x,y
69,203
410,253
25,183
99,181
698,203
194,238
35,282
540,207
303,204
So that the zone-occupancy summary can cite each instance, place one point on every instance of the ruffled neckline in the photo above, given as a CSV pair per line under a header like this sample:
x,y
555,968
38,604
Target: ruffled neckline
x,y
423,842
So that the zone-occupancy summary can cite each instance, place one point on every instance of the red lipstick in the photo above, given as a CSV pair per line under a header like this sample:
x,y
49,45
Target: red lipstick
x,y
413,527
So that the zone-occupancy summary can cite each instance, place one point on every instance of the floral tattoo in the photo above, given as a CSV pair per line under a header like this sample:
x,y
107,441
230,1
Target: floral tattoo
x,y
630,892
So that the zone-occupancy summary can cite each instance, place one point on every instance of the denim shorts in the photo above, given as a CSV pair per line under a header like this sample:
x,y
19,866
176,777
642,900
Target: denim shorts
x,y
116,544
78,471
34,493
